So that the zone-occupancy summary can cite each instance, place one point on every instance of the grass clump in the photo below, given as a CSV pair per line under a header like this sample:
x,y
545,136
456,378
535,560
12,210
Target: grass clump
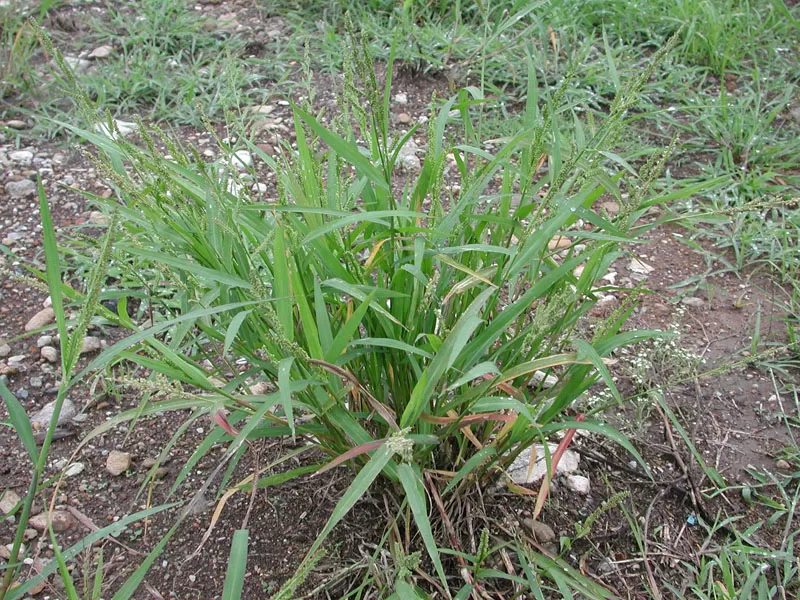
x,y
167,64
402,326
18,43
401,321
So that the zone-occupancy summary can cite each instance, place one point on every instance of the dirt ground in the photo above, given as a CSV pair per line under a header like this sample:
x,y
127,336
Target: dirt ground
x,y
732,414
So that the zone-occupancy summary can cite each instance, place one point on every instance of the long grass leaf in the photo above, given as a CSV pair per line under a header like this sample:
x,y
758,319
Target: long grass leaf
x,y
112,353
20,421
347,331
237,566
415,494
392,344
133,582
476,460
452,347
349,152
281,284
233,330
353,494
285,391
52,267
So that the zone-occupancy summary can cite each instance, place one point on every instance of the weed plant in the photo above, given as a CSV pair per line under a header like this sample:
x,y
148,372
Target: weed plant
x,y
399,323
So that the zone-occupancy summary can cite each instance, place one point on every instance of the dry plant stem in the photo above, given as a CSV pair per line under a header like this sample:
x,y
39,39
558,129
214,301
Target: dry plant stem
x,y
254,488
510,568
645,533
693,492
560,449
437,499
789,519
153,591
89,524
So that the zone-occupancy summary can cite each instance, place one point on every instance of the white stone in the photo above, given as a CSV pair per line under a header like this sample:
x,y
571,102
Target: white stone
x,y
23,157
407,159
8,501
101,52
118,462
49,353
98,218
264,109
518,471
41,419
40,319
5,350
539,377
124,127
642,268
44,340
233,188
20,189
77,64
579,484
401,98
74,469
242,159
90,344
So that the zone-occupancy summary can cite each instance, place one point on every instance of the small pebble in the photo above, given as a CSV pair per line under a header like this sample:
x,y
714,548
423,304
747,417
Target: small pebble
x,y
118,462
579,484
542,532
49,353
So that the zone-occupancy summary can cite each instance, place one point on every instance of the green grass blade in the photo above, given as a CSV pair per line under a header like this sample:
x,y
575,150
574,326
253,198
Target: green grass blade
x,y
323,319
285,391
347,331
233,329
353,494
63,570
712,473
135,580
20,422
378,217
612,67
309,325
280,283
53,269
97,588
112,353
347,151
411,480
393,344
237,566
452,347
587,352
476,460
